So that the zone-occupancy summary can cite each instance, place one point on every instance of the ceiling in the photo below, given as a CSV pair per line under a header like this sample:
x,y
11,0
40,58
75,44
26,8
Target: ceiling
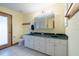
x,y
25,7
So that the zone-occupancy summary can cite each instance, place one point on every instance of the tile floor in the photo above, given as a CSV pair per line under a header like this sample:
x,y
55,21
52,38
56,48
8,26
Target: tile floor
x,y
20,51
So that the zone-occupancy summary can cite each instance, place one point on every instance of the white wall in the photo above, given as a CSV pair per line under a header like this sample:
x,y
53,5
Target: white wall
x,y
73,34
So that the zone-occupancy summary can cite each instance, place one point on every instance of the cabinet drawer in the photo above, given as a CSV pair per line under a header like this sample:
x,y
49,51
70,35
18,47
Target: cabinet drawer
x,y
61,42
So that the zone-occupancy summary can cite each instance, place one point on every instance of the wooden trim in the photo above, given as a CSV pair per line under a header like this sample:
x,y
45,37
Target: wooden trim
x,y
26,24
74,8
5,13
53,24
9,24
68,10
11,30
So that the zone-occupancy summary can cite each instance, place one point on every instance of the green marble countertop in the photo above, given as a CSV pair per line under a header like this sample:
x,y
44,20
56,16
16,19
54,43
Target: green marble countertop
x,y
59,36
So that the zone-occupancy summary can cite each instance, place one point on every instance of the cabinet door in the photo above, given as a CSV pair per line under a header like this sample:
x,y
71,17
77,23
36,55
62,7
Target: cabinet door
x,y
42,44
31,41
50,24
60,47
50,46
26,42
36,43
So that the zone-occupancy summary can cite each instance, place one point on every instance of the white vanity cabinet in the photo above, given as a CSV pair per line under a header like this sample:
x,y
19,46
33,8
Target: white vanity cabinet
x,y
50,46
60,47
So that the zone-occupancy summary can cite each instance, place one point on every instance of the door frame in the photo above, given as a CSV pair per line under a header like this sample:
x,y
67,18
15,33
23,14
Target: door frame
x,y
10,28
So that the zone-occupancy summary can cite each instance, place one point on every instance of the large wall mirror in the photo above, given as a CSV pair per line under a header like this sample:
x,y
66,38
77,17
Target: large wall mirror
x,y
44,21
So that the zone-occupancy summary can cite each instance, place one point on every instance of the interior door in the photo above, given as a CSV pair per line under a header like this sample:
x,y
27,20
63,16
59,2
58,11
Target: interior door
x,y
5,30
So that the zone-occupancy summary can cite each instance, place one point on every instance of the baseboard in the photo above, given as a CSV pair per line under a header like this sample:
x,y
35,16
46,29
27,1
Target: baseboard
x,y
15,44
38,51
10,46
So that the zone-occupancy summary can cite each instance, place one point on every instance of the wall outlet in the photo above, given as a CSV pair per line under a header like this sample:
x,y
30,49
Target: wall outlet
x,y
14,36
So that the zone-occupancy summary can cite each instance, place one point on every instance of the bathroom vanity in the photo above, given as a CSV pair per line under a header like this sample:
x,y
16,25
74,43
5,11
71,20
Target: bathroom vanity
x,y
55,45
